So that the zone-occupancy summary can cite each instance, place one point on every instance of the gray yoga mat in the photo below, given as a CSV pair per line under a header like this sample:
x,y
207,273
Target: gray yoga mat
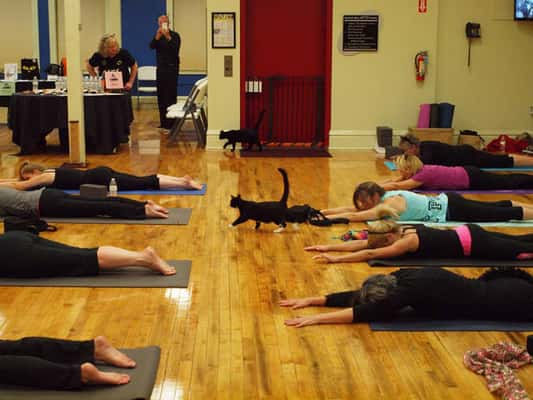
x,y
129,277
449,262
460,325
176,216
140,387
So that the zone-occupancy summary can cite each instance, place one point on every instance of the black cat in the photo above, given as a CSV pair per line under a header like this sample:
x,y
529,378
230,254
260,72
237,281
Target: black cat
x,y
265,211
248,136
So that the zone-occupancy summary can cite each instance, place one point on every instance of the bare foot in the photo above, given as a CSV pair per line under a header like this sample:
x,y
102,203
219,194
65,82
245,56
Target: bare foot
x,y
191,183
157,207
92,376
104,351
156,263
151,212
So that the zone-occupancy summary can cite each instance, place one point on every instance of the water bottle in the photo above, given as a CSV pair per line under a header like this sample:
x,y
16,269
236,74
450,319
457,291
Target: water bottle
x,y
35,84
113,189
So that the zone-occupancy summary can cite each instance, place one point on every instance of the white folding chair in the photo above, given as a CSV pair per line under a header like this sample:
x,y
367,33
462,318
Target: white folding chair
x,y
180,103
145,74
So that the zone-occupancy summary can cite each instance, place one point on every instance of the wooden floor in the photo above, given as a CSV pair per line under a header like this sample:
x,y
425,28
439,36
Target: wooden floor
x,y
224,336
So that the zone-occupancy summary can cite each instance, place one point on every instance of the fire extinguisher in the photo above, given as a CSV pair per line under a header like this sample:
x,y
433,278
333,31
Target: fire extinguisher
x,y
421,62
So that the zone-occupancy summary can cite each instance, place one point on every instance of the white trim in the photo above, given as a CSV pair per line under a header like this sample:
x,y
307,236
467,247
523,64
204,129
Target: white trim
x,y
212,140
170,13
52,30
35,33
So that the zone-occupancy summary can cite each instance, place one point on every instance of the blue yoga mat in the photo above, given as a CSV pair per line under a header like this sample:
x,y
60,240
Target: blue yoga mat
x,y
390,165
181,192
420,325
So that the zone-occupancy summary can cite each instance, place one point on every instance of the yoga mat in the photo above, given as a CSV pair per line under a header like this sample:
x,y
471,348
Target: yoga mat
x,y
177,192
140,387
176,216
423,116
446,115
390,165
466,262
516,191
434,116
503,224
128,277
420,325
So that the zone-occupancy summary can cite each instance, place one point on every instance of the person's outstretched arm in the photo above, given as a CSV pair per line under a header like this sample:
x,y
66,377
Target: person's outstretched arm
x,y
352,245
338,210
45,179
407,184
345,316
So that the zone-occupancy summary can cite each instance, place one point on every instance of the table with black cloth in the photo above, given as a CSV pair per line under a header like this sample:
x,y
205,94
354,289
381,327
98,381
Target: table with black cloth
x,y
21,86
107,120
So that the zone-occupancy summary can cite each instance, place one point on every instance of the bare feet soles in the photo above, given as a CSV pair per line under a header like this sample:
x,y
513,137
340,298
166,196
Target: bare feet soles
x,y
155,210
191,183
92,376
105,352
156,263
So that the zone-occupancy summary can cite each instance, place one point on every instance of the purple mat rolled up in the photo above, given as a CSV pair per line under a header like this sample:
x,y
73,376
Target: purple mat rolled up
x,y
423,116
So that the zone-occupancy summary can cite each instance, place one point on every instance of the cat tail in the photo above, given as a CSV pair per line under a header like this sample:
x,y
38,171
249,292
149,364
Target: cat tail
x,y
259,119
386,211
285,195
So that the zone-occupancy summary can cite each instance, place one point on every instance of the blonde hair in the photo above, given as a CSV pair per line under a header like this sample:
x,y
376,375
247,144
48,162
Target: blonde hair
x,y
27,167
107,40
409,163
377,231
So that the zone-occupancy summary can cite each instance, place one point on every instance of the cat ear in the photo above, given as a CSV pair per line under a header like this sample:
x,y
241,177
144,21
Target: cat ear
x,y
232,196
238,196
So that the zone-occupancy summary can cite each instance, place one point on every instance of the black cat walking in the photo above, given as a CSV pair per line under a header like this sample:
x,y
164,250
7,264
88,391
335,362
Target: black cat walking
x,y
265,211
248,136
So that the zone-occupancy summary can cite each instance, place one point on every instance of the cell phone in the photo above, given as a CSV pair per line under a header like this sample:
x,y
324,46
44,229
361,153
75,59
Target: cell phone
x,y
164,26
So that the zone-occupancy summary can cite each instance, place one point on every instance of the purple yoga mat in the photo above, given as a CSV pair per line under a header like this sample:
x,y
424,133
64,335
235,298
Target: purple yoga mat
x,y
519,191
423,116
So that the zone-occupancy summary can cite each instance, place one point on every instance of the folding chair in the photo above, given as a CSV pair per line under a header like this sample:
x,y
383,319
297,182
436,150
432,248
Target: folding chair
x,y
145,73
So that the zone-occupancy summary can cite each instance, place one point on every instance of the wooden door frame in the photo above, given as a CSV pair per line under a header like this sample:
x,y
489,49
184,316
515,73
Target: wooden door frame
x,y
327,69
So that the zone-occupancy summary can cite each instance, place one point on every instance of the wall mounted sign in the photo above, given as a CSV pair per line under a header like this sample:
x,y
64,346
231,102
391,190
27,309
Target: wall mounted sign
x,y
360,33
223,30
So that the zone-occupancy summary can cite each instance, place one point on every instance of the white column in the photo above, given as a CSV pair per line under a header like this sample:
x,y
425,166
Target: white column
x,y
52,29
35,24
113,18
170,13
75,95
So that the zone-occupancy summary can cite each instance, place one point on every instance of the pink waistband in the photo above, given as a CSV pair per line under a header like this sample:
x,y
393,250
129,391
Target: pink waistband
x,y
465,238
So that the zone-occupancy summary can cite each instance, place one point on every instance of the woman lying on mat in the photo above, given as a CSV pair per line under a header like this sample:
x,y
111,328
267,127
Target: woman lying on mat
x,y
372,202
58,204
414,174
437,153
60,364
27,255
35,176
387,239
431,292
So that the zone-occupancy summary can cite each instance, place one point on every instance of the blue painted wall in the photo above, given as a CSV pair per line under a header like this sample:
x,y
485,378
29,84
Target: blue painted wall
x,y
44,37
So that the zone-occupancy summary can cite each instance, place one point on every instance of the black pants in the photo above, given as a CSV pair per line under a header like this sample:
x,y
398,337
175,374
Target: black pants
x,y
167,91
461,209
43,362
498,246
483,159
67,178
25,255
485,180
55,203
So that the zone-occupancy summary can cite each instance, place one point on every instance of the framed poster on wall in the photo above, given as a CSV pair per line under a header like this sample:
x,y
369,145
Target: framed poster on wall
x,y
223,30
360,33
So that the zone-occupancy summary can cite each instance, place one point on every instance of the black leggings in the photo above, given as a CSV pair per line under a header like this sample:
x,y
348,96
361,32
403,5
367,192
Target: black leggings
x,y
68,178
55,203
26,255
498,246
43,362
485,180
468,155
461,209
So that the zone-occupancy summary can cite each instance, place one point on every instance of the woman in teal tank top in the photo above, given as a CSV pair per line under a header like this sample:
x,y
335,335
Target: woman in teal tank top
x,y
372,202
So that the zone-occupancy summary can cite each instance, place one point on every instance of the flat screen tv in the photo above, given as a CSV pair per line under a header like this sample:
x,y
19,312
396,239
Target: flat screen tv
x,y
523,10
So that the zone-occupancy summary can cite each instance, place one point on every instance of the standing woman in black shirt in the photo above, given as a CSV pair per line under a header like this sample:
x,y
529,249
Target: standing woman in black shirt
x,y
167,45
111,57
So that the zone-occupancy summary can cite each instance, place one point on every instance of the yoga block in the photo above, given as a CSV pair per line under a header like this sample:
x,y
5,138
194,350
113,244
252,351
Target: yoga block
x,y
384,136
93,191
444,135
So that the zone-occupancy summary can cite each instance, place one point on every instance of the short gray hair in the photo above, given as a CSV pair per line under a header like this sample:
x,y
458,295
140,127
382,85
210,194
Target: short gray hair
x,y
377,287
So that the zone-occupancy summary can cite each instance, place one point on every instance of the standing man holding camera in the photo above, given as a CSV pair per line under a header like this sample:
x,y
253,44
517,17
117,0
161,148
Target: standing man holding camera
x,y
167,47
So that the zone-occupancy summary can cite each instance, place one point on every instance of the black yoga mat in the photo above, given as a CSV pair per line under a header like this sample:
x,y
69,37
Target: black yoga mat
x,y
449,262
129,277
176,216
140,387
459,325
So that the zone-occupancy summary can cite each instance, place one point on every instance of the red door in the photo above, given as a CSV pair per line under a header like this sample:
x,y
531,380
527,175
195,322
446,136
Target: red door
x,y
286,68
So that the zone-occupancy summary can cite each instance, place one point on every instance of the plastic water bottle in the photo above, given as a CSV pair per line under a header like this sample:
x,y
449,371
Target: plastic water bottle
x,y
35,84
113,189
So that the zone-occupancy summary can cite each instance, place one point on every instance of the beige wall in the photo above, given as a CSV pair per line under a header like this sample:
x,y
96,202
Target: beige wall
x,y
223,99
494,94
16,31
93,27
190,22
379,88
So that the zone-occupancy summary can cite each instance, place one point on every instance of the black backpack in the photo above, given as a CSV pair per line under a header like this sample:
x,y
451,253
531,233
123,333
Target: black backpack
x,y
27,224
